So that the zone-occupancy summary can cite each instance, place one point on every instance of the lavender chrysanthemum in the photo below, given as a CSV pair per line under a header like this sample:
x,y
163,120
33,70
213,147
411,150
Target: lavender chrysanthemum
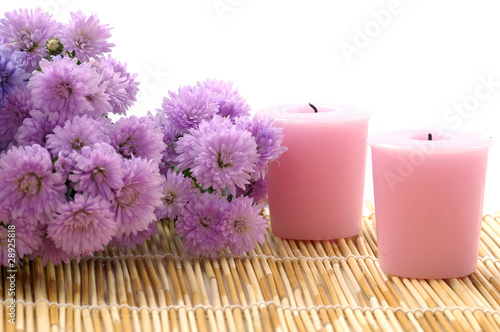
x,y
67,88
28,32
244,225
28,236
169,138
139,196
268,138
82,226
97,170
12,114
132,240
50,252
28,186
177,191
137,137
189,107
186,154
12,75
223,158
256,189
64,164
75,134
120,86
36,127
200,225
86,36
231,104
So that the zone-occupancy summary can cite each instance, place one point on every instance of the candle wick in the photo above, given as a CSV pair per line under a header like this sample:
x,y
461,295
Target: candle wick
x,y
429,137
314,108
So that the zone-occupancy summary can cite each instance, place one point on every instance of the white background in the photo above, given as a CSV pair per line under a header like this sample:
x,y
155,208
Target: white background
x,y
410,61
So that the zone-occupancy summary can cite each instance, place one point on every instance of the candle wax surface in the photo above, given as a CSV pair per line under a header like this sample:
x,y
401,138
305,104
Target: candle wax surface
x,y
428,201
316,188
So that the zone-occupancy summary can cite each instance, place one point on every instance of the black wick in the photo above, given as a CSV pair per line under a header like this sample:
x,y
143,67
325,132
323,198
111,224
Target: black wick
x,y
314,108
429,137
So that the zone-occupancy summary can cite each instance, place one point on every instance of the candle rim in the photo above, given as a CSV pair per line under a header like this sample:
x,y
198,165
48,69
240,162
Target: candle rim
x,y
400,140
326,113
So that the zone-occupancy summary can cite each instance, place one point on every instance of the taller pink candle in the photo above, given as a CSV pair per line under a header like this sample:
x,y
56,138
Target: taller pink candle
x,y
316,189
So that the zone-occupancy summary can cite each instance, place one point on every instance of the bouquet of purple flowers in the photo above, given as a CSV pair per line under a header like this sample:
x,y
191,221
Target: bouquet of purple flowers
x,y
73,181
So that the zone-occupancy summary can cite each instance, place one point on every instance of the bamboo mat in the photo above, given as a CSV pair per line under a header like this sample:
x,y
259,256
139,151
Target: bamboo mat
x,y
282,286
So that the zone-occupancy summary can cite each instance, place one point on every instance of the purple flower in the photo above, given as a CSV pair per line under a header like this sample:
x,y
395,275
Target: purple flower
x,y
268,138
15,109
189,107
139,196
27,184
28,236
177,191
137,137
184,149
64,164
82,226
132,240
50,252
67,88
120,86
36,127
97,170
12,75
244,225
86,36
223,158
169,138
75,134
28,32
201,225
256,189
231,104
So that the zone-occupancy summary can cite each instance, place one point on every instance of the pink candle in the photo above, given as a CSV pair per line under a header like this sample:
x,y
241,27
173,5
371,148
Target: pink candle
x,y
429,201
316,189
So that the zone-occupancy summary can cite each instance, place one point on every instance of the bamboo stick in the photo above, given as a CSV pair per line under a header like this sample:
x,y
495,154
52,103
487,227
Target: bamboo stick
x,y
448,301
41,307
257,322
184,289
147,297
88,322
160,283
471,300
124,322
104,311
61,290
234,318
112,296
138,291
381,281
20,317
279,290
28,295
218,324
165,279
52,296
130,299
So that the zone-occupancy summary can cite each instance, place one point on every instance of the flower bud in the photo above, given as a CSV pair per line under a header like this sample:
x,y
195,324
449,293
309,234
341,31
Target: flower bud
x,y
54,46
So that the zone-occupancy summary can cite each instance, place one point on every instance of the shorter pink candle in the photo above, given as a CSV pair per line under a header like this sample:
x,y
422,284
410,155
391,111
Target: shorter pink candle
x,y
429,189
316,188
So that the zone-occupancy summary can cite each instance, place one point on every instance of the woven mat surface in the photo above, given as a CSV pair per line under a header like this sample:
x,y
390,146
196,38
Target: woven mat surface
x,y
283,286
